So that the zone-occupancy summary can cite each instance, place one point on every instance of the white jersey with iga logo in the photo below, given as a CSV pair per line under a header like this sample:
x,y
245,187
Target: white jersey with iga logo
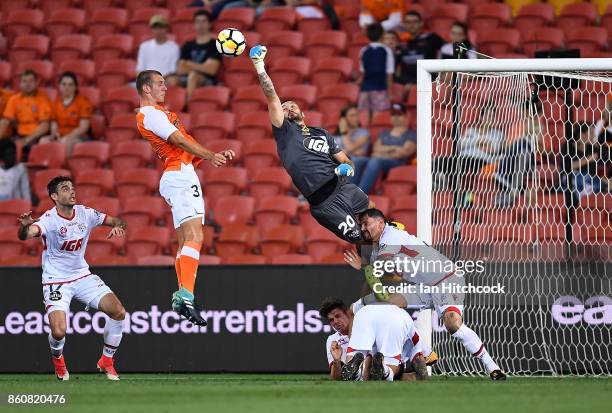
x,y
342,340
65,241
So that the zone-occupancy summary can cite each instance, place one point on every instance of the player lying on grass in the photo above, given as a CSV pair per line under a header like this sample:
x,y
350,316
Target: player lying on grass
x,y
317,166
64,230
394,244
414,352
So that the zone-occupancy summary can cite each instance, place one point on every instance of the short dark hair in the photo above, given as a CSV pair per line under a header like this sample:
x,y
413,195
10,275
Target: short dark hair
x,y
329,304
55,182
373,213
70,75
414,13
29,72
374,32
202,13
144,78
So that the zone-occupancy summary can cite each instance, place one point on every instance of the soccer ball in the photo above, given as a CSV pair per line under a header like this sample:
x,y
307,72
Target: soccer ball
x,y
230,42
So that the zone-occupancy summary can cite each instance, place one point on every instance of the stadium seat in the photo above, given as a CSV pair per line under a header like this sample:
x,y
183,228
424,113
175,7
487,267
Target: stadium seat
x,y
28,47
47,155
350,19
577,15
332,98
132,6
380,121
48,6
212,126
238,73
321,242
532,16
19,22
331,70
139,22
490,16
98,126
284,239
107,20
10,246
115,73
85,70
269,181
253,126
313,118
292,259
495,41
95,182
404,210
44,205
119,100
309,26
358,41
445,14
64,21
248,99
140,211
304,95
400,181
91,6
112,46
241,18
275,19
236,239
382,203
137,182
587,39
11,209
42,68
543,39
221,182
245,259
337,258
288,71
5,73
326,43
106,204
209,260
234,209
283,44
131,154
260,154
88,155
156,261
274,211
42,177
208,99
176,98
122,128
147,241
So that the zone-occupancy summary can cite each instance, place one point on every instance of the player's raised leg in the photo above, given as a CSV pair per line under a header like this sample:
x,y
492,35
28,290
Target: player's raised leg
x,y
57,339
113,332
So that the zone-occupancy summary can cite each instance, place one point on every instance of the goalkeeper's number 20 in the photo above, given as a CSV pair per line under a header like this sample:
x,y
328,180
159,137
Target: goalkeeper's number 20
x,y
347,224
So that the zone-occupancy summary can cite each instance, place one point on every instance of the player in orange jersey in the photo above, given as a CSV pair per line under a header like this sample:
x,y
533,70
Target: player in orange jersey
x,y
179,184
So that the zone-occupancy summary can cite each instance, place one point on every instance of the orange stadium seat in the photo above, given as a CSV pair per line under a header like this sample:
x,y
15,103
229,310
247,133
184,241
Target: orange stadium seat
x,y
288,71
139,22
115,73
248,99
107,20
42,68
140,211
236,239
245,259
106,204
147,241
11,209
274,211
531,16
112,46
71,47
275,19
577,15
489,16
88,155
304,95
253,126
587,39
269,181
234,209
137,182
241,18
292,259
400,181
331,70
42,178
223,144
28,47
92,94
122,128
382,203
284,239
176,98
157,261
321,242
131,154
542,39
496,41
25,21
47,155
85,70
209,99
445,14
119,100
94,182
326,43
260,154
212,126
64,21
332,98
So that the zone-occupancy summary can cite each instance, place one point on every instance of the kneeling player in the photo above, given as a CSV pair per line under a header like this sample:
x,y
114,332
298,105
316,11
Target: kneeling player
x,y
64,231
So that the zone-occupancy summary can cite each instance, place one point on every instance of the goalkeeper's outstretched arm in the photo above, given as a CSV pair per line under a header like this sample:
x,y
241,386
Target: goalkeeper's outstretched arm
x,y
275,111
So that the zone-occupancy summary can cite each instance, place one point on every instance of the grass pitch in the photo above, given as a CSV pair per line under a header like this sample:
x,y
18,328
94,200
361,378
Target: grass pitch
x,y
255,393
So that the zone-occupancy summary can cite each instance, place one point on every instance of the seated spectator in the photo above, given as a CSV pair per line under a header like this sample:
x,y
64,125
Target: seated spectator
x,y
377,67
458,34
386,12
158,53
5,95
14,182
354,140
200,61
393,148
70,113
423,45
29,111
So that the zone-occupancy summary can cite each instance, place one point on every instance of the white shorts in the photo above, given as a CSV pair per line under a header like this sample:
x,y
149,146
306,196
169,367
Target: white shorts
x,y
89,290
182,191
385,327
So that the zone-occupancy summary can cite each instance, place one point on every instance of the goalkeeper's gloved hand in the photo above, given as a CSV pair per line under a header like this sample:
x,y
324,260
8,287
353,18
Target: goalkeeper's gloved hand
x,y
257,55
344,169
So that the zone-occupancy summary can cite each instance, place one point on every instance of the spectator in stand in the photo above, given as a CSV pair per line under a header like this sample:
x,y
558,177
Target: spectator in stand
x,y
393,148
158,53
377,68
458,34
70,114
581,159
354,140
423,45
13,176
386,12
200,61
30,112
5,95
391,39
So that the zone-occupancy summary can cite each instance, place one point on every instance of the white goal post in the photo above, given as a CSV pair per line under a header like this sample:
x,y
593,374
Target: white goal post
x,y
556,315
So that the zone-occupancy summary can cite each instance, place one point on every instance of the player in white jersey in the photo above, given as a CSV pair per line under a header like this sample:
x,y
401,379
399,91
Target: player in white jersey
x,y
391,243
64,231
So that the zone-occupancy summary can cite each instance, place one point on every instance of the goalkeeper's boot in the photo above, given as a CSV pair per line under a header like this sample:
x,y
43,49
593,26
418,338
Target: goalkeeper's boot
x,y
106,365
372,280
377,368
497,375
350,371
61,372
432,358
182,303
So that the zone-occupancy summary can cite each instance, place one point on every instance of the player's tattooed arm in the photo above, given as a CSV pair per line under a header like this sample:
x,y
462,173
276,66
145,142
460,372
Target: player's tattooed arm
x,y
26,230
274,104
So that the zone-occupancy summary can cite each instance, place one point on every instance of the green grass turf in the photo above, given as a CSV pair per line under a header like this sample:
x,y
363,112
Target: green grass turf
x,y
255,393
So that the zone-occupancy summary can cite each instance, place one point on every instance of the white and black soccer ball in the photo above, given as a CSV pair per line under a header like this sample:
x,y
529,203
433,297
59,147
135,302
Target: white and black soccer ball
x,y
230,42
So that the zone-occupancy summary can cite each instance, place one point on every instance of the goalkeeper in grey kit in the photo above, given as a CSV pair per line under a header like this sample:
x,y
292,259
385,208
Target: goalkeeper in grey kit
x,y
317,166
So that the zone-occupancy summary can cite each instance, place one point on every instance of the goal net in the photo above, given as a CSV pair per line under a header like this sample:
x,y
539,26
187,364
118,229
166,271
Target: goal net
x,y
514,172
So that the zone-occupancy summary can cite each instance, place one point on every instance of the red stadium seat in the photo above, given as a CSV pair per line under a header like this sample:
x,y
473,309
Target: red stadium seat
x,y
337,258
42,68
95,182
400,181
47,155
221,182
19,22
269,181
5,73
10,246
107,20
147,241
303,95
536,15
64,21
85,70
236,239
182,21
140,211
241,18
209,260
496,41
382,203
543,39
91,6
11,209
311,26
139,23
275,19
42,178
71,47
92,94
248,99
284,239
176,98
44,205
234,209
292,259
28,47
577,15
283,44
105,204
490,16
132,6
245,259
131,154
112,46
212,126
288,71
253,126
238,73
404,211
119,100
331,70
98,126
274,211
115,73
88,155
260,154
326,43
320,242
122,128
380,121
137,182
156,261
208,99
587,39
445,14
332,98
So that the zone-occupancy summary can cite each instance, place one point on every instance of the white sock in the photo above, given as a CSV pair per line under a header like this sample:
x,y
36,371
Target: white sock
x,y
113,332
57,346
473,344
388,373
